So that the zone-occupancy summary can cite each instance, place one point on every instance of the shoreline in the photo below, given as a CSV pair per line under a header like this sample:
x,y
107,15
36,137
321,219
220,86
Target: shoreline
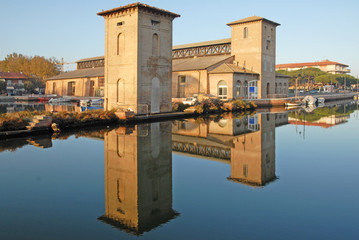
x,y
69,121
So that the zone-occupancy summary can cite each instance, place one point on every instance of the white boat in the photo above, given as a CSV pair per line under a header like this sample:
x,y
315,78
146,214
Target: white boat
x,y
309,100
91,102
59,100
293,104
321,100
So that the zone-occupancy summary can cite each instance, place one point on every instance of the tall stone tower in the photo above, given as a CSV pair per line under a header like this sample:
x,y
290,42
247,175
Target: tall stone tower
x,y
138,177
138,58
253,45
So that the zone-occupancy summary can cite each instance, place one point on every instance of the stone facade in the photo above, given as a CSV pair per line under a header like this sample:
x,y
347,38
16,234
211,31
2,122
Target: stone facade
x,y
138,53
85,87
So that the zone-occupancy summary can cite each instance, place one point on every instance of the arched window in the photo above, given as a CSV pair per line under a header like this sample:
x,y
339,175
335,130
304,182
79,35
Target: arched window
x,y
268,90
245,89
54,88
276,90
280,88
284,88
155,45
245,32
120,44
238,88
222,90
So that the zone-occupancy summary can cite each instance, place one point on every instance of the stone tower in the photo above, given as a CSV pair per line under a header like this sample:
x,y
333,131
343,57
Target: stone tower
x,y
138,177
253,45
138,58
253,155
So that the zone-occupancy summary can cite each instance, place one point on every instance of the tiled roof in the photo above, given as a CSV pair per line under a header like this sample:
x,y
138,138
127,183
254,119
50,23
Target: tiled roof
x,y
11,75
308,64
200,44
138,5
81,73
231,68
197,63
252,19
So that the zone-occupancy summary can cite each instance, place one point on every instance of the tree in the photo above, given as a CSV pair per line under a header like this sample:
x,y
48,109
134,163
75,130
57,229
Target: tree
x,y
33,67
318,76
2,86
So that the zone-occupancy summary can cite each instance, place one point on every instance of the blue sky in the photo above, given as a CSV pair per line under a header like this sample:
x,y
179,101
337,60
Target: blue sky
x,y
309,31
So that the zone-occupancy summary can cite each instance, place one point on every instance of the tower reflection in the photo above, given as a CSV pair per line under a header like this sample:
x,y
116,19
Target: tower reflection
x,y
247,143
138,177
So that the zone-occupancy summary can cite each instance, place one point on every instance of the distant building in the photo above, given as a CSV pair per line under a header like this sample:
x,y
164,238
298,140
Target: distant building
x,y
325,65
87,80
14,82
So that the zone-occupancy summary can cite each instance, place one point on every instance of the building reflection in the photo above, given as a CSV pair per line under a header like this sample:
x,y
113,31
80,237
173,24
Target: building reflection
x,y
138,177
324,117
246,143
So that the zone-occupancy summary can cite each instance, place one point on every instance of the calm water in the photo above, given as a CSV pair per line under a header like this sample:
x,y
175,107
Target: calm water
x,y
265,176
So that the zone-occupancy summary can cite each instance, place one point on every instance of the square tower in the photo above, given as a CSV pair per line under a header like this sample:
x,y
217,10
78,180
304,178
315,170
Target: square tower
x,y
138,177
253,45
138,58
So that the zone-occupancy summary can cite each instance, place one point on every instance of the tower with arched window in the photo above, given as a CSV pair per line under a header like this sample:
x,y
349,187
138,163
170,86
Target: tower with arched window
x,y
138,53
253,45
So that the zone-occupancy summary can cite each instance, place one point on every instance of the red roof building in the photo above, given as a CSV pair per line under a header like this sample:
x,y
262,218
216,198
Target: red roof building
x,y
325,65
14,82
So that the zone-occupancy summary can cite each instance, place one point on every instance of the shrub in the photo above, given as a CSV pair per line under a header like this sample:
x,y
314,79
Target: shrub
x,y
179,107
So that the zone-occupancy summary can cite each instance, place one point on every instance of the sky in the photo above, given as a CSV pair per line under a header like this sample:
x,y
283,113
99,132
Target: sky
x,y
70,29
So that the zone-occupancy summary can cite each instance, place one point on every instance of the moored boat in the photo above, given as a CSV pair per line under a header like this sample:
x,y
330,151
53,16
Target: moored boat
x,y
59,100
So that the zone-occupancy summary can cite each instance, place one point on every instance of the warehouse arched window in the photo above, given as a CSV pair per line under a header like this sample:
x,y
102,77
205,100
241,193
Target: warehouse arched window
x,y
222,90
155,45
245,32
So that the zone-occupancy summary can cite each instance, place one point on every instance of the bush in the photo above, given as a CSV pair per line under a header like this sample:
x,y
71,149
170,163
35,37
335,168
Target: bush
x,y
179,107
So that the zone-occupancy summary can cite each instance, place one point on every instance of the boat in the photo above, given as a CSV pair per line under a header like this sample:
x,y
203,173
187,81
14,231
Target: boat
x,y
44,99
91,102
59,100
321,100
309,100
293,104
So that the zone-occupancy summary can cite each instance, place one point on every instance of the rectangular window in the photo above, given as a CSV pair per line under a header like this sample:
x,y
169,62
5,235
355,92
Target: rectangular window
x,y
271,66
222,92
265,66
181,86
268,44
101,82
120,23
155,23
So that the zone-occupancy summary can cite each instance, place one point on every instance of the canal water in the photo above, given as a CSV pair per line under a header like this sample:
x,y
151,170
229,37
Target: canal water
x,y
279,175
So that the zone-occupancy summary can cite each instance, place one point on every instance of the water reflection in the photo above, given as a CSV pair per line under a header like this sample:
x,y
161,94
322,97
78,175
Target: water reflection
x,y
246,143
324,117
138,177
138,166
